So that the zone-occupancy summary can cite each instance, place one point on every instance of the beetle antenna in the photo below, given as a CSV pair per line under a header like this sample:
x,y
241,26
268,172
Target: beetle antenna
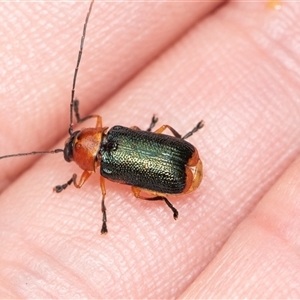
x,y
33,153
77,67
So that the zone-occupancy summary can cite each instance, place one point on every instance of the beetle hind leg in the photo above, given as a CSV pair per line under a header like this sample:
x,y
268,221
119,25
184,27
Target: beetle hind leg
x,y
137,193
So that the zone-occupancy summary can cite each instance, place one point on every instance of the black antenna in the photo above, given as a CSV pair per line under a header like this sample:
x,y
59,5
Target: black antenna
x,y
72,95
77,67
33,153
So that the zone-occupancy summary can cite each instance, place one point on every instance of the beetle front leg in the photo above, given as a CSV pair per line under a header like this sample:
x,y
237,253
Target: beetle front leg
x,y
80,120
136,191
84,177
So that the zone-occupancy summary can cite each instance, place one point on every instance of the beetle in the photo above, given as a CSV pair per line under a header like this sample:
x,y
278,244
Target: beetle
x,y
154,164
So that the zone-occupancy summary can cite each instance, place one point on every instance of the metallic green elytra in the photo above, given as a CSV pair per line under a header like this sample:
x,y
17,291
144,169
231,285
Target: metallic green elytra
x,y
152,163
147,160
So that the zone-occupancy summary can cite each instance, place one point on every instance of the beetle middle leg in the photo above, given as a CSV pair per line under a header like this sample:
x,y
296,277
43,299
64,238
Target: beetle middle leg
x,y
176,134
136,191
103,208
152,124
84,177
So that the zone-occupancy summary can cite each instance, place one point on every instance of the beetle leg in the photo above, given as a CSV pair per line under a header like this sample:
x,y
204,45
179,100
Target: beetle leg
x,y
196,128
164,127
176,134
84,177
136,191
153,122
60,188
103,208
80,120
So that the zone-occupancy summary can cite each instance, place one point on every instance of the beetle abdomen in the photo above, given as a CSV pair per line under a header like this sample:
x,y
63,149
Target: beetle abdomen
x,y
145,159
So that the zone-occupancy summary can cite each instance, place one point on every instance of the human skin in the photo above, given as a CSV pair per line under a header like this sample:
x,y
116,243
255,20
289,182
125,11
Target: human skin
x,y
236,66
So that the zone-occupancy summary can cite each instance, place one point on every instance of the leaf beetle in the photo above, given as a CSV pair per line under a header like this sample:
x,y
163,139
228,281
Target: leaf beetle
x,y
154,164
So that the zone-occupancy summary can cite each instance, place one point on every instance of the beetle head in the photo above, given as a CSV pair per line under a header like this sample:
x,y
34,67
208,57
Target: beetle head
x,y
69,147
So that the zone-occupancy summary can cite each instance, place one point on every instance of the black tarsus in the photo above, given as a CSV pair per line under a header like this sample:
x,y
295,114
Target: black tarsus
x,y
104,218
153,122
161,198
60,188
195,129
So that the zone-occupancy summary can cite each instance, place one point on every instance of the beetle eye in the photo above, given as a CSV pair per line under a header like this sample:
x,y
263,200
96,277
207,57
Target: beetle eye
x,y
69,146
